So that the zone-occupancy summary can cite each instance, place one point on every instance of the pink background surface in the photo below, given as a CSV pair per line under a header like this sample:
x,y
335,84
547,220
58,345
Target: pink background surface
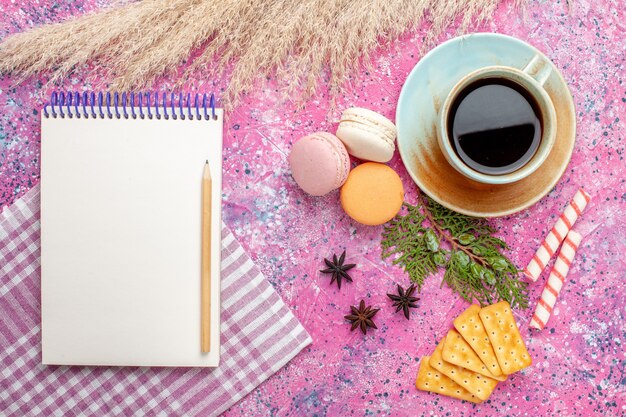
x,y
579,358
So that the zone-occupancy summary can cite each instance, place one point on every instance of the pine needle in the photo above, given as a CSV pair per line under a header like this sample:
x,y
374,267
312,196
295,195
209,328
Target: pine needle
x,y
430,236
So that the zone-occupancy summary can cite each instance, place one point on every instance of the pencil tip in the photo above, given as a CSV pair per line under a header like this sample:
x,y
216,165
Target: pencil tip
x,y
207,161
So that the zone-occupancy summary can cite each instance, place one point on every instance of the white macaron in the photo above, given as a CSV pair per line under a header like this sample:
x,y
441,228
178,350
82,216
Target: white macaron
x,y
367,135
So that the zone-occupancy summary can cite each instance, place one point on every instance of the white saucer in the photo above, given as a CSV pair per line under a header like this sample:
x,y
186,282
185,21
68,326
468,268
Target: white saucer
x,y
416,117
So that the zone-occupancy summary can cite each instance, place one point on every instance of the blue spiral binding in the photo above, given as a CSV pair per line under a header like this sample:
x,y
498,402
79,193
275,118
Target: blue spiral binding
x,y
116,101
107,105
108,102
172,105
124,105
69,103
156,106
132,105
76,103
61,104
100,100
93,100
148,106
84,103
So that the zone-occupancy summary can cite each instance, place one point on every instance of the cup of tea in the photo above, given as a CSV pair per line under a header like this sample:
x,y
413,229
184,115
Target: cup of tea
x,y
498,123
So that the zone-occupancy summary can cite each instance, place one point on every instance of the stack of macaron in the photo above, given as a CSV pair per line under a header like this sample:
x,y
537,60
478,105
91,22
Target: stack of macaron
x,y
372,193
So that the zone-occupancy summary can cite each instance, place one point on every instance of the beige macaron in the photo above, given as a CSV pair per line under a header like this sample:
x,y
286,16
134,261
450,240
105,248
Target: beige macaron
x,y
367,135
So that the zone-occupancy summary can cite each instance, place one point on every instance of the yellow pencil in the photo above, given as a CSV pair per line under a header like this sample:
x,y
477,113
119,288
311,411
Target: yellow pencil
x,y
206,260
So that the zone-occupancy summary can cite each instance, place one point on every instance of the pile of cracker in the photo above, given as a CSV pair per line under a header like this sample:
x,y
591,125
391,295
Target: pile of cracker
x,y
485,348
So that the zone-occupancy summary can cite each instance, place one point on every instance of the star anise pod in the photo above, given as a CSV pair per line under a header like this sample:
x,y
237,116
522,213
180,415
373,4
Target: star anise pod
x,y
362,317
404,299
338,269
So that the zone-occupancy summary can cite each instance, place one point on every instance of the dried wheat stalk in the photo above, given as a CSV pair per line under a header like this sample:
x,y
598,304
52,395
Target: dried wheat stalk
x,y
295,40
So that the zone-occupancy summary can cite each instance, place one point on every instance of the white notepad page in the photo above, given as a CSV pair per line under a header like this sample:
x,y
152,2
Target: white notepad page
x,y
121,240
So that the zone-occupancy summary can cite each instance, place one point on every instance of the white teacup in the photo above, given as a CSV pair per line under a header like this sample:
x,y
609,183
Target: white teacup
x,y
531,79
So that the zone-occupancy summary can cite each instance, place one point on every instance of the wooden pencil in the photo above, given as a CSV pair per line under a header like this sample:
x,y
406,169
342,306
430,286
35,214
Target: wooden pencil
x,y
206,260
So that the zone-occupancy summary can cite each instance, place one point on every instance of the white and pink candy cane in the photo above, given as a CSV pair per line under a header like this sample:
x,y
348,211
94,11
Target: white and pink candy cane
x,y
555,280
558,232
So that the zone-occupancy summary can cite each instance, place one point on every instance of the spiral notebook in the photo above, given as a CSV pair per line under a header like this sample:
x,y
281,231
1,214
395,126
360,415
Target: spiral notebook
x,y
121,228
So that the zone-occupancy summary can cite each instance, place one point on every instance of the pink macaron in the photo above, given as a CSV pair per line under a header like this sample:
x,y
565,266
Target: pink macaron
x,y
319,163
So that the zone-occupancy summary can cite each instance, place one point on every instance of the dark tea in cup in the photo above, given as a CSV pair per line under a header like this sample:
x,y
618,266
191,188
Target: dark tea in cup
x,y
497,124
494,126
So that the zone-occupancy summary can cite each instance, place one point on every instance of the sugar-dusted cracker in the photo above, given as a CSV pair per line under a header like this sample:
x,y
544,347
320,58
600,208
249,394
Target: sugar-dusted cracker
x,y
477,384
505,338
458,352
429,379
471,328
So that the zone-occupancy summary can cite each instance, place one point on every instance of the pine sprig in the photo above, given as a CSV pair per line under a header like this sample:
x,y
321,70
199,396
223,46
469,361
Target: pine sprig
x,y
404,237
430,236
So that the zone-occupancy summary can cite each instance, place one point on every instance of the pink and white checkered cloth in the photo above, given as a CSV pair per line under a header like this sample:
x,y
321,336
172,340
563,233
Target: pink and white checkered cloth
x,y
259,336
